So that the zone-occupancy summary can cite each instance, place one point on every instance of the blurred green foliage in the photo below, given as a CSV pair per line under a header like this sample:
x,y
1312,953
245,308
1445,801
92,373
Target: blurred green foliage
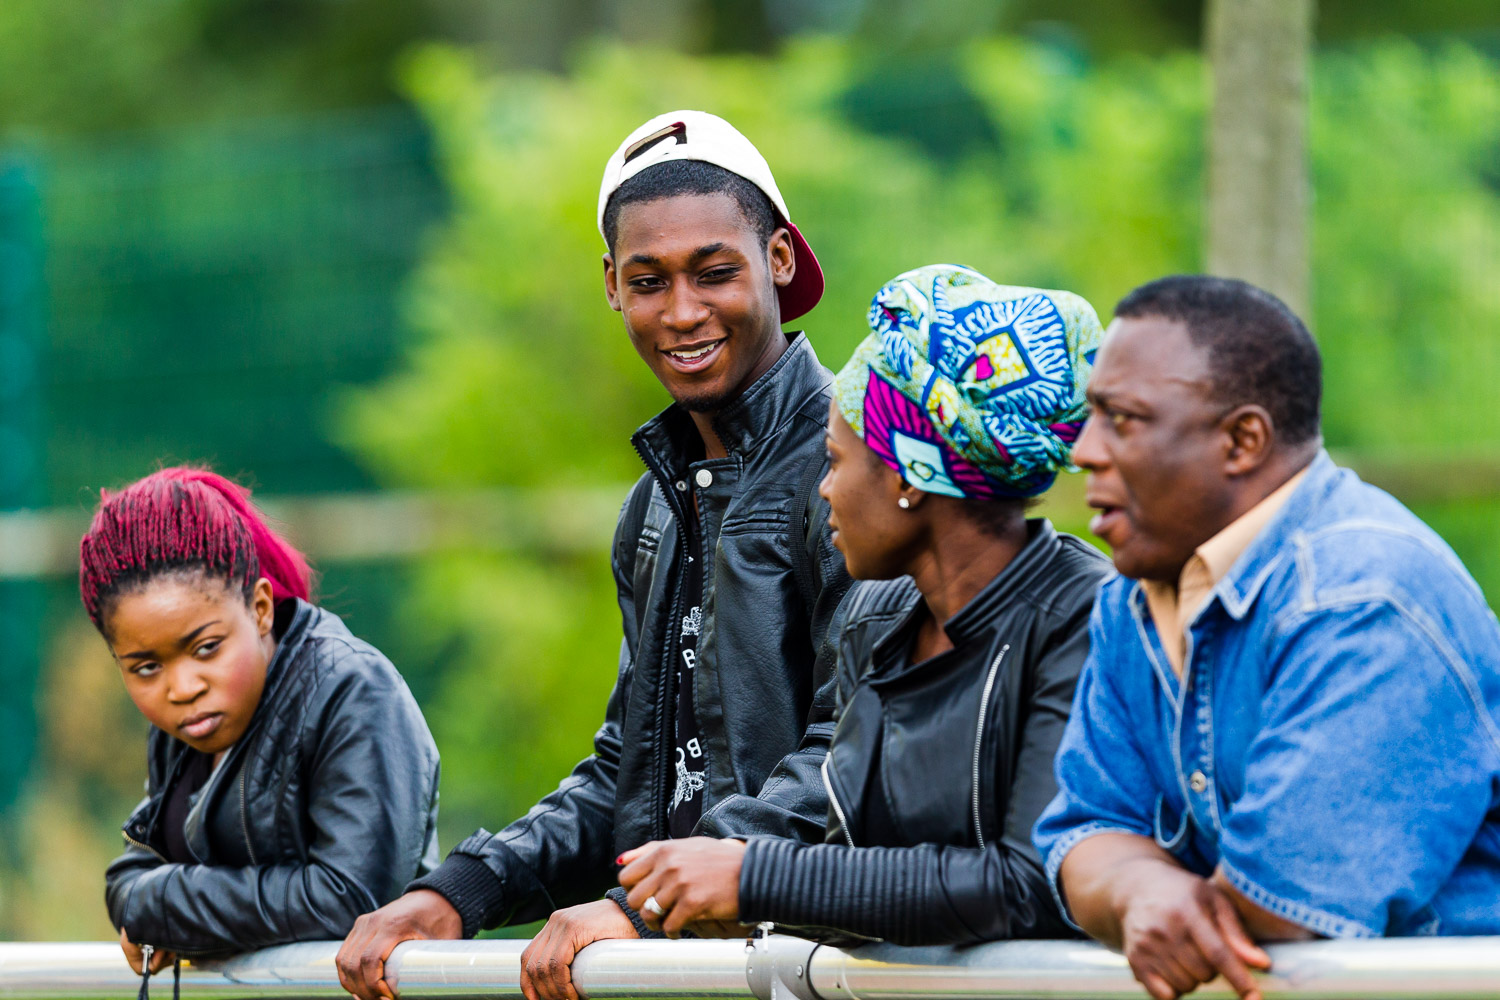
x,y
1059,174
1406,266
86,66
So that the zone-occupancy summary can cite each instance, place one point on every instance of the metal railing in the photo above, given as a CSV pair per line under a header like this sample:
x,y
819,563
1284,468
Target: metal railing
x,y
773,968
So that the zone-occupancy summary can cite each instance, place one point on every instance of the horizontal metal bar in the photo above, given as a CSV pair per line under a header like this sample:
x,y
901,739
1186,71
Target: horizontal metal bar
x,y
448,969
780,968
1449,968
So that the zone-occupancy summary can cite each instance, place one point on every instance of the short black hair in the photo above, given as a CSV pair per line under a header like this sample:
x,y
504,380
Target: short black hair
x,y
1258,350
675,177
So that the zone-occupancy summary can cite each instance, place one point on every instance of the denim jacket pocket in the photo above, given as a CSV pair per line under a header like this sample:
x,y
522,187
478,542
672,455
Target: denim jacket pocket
x,y
1173,842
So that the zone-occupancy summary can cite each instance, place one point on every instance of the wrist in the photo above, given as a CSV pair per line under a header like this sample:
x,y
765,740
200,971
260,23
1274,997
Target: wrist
x,y
441,918
1134,881
468,886
617,895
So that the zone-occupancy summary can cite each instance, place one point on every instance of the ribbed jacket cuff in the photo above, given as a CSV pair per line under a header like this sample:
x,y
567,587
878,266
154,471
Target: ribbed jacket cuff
x,y
872,891
767,872
467,883
618,894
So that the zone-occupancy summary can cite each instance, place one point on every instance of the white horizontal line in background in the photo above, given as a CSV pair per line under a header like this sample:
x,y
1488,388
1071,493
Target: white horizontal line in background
x,y
339,527
396,524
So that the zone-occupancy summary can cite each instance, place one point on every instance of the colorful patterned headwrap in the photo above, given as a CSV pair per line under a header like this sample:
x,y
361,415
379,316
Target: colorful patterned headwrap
x,y
969,388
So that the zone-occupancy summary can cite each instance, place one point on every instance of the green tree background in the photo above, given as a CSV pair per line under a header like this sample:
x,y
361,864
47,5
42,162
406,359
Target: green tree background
x,y
1057,144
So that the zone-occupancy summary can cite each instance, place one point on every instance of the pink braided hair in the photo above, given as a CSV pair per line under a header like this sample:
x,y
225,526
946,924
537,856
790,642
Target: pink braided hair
x,y
184,518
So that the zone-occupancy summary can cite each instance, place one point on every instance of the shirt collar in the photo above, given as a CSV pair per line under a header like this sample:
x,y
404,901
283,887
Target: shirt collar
x,y
1174,607
1222,551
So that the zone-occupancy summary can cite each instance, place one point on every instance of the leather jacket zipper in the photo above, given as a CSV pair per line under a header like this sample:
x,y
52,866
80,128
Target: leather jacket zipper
x,y
155,809
833,799
984,705
144,847
669,646
668,698
146,952
244,815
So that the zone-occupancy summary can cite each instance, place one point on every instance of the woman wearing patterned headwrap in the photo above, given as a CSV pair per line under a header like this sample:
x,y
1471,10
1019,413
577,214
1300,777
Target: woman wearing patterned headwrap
x,y
960,651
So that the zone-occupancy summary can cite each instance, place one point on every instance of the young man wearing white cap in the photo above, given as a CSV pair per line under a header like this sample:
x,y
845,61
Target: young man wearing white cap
x,y
728,583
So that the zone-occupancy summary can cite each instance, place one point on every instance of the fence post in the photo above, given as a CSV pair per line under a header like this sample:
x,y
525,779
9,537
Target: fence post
x,y
21,478
1258,190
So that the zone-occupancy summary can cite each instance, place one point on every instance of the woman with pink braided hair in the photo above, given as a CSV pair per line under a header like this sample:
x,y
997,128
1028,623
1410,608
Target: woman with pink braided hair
x,y
292,781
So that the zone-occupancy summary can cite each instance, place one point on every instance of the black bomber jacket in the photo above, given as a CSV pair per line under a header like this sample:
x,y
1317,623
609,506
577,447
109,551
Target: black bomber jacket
x,y
763,687
939,769
322,811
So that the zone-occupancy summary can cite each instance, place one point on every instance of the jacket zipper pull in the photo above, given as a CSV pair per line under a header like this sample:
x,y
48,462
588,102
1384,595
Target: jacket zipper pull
x,y
146,952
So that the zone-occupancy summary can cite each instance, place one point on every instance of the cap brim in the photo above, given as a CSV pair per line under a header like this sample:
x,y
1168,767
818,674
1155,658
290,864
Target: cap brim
x,y
806,287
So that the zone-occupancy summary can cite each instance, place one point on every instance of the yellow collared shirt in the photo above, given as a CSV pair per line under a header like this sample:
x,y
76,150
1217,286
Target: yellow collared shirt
x,y
1172,608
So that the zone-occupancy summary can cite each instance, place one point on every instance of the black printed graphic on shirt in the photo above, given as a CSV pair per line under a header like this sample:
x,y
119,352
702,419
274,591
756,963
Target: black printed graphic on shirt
x,y
687,797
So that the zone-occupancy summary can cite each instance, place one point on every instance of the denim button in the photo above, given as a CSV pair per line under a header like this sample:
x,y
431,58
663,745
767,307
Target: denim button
x,y
1197,782
704,478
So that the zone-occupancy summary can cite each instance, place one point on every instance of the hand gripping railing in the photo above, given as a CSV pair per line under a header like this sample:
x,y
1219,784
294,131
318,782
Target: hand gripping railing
x,y
774,968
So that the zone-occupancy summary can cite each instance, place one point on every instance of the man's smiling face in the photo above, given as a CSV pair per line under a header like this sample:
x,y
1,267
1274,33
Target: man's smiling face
x,y
697,290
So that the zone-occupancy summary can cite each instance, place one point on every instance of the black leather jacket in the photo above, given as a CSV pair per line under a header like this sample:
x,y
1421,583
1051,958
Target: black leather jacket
x,y
939,769
763,686
323,810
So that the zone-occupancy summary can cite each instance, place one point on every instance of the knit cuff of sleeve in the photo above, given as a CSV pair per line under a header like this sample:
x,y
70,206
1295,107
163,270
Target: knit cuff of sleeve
x,y
469,885
618,895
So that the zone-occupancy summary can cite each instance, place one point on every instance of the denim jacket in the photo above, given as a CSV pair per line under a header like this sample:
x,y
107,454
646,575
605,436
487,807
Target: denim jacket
x,y
1334,746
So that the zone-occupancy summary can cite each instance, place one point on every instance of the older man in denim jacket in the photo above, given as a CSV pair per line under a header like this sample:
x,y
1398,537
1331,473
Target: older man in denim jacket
x,y
1289,724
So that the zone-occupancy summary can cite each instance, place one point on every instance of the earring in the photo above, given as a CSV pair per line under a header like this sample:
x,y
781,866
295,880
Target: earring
x,y
903,503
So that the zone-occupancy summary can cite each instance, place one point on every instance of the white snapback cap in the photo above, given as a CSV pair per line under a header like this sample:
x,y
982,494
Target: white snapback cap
x,y
698,135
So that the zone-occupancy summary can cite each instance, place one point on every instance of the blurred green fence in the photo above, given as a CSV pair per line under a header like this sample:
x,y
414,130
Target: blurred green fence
x,y
21,349
205,292
192,297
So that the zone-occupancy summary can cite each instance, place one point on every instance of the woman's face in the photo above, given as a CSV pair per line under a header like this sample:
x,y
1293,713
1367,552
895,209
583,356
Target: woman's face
x,y
193,655
876,535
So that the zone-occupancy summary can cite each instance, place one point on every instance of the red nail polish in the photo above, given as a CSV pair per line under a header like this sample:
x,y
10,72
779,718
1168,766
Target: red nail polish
x,y
620,860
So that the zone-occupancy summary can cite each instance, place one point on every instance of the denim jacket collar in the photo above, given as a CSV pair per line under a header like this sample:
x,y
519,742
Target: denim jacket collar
x,y
1238,589
669,438
1242,584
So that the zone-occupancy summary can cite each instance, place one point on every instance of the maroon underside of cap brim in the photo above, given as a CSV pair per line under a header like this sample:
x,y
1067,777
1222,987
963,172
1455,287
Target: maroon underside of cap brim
x,y
806,287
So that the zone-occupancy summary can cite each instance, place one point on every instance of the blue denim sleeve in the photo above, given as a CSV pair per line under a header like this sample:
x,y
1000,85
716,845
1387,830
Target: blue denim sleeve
x,y
1369,776
1103,781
